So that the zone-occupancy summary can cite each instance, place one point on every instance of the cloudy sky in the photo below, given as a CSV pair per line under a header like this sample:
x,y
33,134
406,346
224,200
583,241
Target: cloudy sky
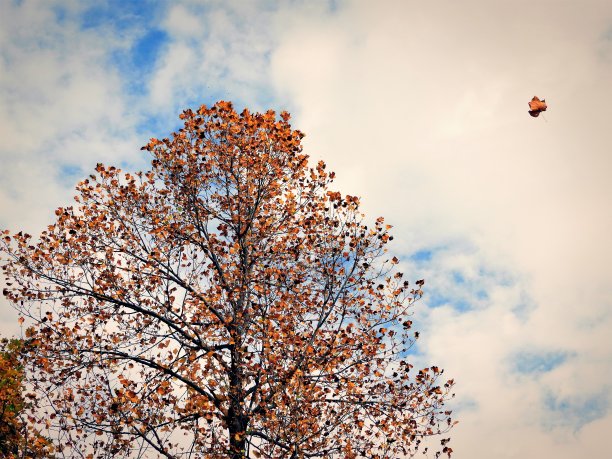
x,y
421,109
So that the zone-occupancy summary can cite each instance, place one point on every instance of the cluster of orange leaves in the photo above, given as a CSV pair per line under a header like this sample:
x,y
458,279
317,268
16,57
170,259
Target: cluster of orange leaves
x,y
17,438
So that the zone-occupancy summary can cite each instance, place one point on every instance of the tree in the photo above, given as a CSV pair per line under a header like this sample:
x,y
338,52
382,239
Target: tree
x,y
17,438
225,303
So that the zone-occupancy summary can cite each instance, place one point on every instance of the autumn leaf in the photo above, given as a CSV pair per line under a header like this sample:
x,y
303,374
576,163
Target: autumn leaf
x,y
536,106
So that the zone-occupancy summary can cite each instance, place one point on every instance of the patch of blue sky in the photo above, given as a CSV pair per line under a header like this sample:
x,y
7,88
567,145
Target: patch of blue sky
x,y
141,40
69,174
575,412
458,278
535,363
412,350
422,255
70,170
462,305
153,125
147,48
61,13
464,404
435,299
454,288
524,307
120,14
138,60
457,291
425,255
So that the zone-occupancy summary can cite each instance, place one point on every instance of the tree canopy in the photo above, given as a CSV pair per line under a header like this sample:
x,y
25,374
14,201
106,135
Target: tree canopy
x,y
224,304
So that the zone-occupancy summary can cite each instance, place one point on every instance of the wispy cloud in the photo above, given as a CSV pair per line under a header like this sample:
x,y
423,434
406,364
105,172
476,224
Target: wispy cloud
x,y
421,108
216,50
62,106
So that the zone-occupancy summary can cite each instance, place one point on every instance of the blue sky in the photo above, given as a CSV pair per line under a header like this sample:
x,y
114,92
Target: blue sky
x,y
421,109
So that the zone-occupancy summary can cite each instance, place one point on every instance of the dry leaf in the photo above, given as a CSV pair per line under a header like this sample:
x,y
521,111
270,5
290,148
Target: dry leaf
x,y
536,106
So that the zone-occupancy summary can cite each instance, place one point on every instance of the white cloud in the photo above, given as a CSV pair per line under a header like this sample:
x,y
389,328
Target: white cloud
x,y
216,51
61,105
421,108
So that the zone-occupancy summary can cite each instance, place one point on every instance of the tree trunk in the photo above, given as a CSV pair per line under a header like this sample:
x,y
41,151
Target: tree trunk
x,y
237,420
237,432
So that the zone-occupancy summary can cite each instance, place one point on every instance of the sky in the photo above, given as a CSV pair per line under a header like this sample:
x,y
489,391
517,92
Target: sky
x,y
421,109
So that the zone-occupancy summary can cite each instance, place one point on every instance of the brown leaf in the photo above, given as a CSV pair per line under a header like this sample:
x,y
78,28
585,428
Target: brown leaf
x,y
536,106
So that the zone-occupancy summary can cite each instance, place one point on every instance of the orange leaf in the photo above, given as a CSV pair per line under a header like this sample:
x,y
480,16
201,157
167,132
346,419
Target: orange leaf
x,y
536,106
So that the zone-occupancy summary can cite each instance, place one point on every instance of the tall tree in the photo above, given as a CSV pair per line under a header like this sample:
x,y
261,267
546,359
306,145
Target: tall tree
x,y
224,304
